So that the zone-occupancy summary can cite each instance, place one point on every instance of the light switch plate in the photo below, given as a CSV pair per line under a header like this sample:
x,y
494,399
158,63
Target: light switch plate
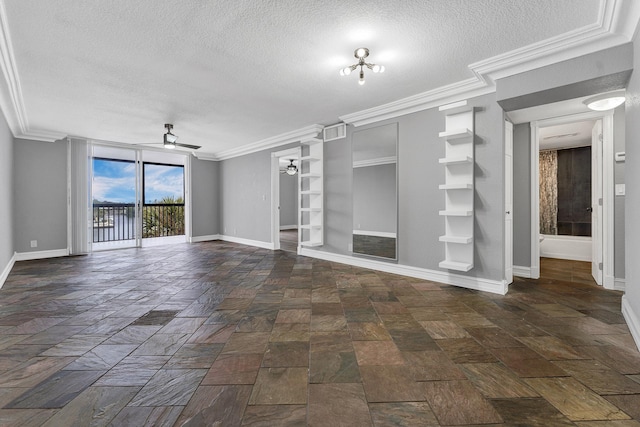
x,y
620,189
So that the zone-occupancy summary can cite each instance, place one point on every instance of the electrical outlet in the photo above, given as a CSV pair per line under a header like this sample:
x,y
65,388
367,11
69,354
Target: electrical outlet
x,y
34,243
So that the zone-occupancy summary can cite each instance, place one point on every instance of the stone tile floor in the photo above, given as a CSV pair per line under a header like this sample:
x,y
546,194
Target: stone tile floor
x,y
223,334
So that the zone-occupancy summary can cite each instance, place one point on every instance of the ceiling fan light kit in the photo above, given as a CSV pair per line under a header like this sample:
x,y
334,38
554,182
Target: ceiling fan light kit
x,y
361,54
291,168
170,141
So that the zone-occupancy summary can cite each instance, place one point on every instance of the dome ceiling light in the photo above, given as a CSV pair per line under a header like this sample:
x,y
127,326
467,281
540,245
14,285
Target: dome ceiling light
x,y
605,101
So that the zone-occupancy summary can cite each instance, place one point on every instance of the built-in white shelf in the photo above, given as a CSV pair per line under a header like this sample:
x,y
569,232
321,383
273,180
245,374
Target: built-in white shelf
x,y
456,265
455,213
458,163
311,226
310,184
463,240
456,186
456,134
458,160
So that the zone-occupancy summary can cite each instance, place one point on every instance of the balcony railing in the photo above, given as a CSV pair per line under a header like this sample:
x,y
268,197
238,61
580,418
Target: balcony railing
x,y
116,221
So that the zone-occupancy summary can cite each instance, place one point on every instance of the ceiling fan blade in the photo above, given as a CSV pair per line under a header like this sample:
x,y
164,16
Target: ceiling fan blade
x,y
192,147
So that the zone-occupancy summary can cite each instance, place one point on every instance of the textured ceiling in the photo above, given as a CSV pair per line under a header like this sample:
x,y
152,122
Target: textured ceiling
x,y
229,73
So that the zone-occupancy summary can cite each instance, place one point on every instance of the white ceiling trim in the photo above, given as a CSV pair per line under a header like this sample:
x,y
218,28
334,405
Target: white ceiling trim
x,y
299,135
591,38
444,95
11,99
571,44
617,24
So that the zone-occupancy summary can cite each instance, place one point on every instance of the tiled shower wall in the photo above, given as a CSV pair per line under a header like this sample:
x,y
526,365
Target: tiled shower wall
x,y
565,192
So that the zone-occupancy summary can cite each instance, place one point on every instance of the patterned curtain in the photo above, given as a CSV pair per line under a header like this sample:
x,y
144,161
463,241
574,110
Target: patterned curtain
x,y
549,192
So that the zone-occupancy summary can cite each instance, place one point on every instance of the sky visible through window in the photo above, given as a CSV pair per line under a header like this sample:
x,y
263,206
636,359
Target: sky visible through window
x,y
163,181
114,181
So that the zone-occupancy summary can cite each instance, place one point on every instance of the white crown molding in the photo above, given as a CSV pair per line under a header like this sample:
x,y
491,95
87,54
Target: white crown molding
x,y
205,156
434,98
616,24
476,283
11,99
303,134
38,135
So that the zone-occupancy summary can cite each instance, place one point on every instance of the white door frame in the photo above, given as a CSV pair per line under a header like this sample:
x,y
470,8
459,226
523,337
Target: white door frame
x,y
292,153
508,202
607,194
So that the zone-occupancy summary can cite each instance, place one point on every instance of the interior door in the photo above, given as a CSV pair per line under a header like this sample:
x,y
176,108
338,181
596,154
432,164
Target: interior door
x,y
508,202
596,202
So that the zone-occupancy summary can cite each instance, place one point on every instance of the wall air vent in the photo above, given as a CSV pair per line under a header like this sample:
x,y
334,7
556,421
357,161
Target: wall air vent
x,y
334,132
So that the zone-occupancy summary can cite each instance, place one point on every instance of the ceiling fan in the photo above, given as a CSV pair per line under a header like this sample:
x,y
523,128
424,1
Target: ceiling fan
x,y
291,169
170,140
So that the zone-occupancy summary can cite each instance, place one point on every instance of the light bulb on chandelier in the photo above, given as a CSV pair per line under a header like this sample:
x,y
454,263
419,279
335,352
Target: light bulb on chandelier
x,y
361,53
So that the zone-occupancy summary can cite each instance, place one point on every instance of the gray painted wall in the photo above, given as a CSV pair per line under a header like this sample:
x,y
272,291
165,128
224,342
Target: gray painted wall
x,y
6,195
522,195
205,206
585,75
40,195
419,199
288,199
547,82
374,198
245,195
632,200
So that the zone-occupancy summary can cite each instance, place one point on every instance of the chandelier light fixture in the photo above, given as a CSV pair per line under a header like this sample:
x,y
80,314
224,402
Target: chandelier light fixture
x,y
361,54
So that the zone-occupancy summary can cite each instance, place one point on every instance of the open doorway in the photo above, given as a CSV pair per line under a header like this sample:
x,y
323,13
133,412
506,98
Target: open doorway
x,y
285,202
582,229
569,188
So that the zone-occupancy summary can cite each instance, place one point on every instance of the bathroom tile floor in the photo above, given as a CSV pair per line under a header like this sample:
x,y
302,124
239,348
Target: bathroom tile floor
x,y
223,334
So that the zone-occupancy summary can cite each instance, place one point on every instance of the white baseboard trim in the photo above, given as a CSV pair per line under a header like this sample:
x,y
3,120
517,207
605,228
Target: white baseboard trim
x,y
288,227
521,271
7,270
257,243
633,321
620,285
210,237
479,284
27,256
160,241
608,282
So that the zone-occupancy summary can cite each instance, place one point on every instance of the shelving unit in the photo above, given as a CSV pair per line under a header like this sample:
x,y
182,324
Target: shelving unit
x,y
458,187
310,212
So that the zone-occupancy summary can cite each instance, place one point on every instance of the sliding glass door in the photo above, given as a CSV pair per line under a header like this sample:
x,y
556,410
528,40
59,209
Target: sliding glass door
x,y
115,190
137,197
